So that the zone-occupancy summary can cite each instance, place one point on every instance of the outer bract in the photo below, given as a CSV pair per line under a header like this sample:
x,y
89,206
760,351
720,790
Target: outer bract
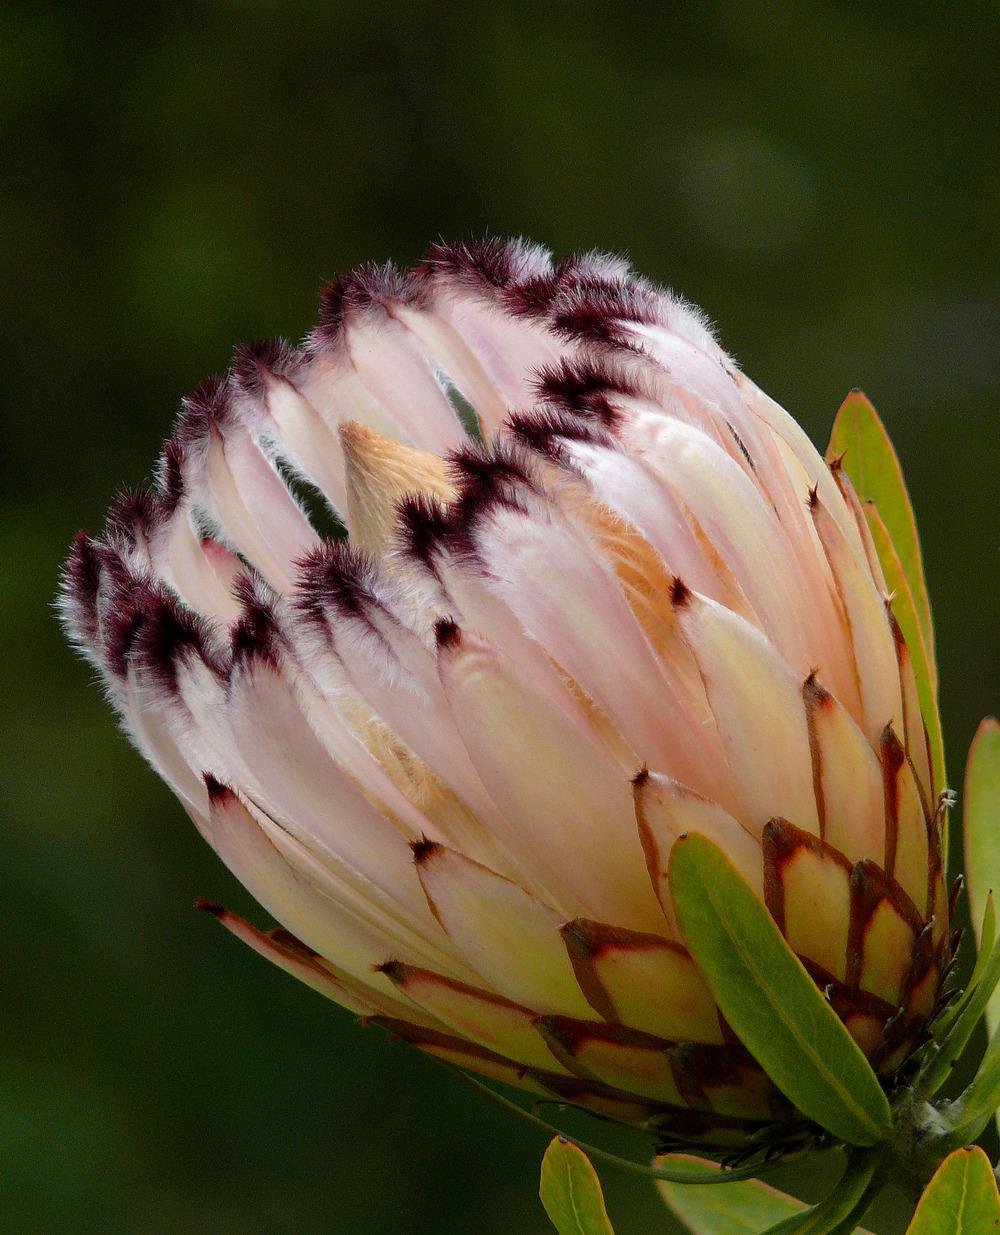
x,y
599,590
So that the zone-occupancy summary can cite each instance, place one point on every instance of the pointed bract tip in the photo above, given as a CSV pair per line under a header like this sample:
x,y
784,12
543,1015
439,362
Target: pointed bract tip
x,y
217,791
779,836
423,849
491,476
485,263
208,406
423,525
255,362
168,636
82,568
447,633
365,290
680,593
585,387
170,472
857,397
212,907
394,970
584,936
813,499
133,514
590,305
255,635
547,433
78,589
814,692
339,575
899,639
641,777
355,433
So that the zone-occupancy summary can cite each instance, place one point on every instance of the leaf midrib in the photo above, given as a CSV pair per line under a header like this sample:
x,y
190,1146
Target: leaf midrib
x,y
791,1026
577,1217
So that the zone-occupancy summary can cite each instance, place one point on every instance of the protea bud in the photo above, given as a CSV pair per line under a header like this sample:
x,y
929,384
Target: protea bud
x,y
598,591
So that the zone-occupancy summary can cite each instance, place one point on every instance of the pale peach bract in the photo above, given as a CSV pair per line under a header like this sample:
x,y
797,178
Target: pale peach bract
x,y
599,590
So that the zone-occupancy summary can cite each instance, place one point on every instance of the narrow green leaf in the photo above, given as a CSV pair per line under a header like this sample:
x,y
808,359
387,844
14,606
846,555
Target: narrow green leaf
x,y
904,607
981,1101
987,939
871,462
739,1209
769,999
950,1048
982,829
982,857
961,1198
837,1213
571,1191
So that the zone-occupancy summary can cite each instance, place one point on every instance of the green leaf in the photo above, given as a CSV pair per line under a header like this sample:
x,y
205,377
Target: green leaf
x,y
769,999
982,860
961,1198
904,606
837,1214
973,1006
739,1209
987,939
981,1101
982,829
571,1191
868,458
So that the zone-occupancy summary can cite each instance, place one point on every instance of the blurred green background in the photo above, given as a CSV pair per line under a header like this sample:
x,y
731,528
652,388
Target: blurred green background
x,y
822,178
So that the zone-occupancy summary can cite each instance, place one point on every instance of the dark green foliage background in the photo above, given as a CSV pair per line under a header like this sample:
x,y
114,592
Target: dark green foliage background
x,y
823,178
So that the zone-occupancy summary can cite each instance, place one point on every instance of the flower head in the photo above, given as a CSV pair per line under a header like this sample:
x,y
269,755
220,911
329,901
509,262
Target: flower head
x,y
597,591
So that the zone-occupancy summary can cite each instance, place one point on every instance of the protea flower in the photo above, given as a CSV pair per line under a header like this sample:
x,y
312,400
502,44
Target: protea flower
x,y
597,591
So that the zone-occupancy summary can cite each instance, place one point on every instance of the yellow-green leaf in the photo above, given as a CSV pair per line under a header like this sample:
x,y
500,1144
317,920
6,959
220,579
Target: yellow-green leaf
x,y
869,459
961,1198
571,1191
981,818
738,1209
905,609
768,998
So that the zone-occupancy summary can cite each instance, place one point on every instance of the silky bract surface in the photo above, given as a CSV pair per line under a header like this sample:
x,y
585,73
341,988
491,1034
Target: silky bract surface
x,y
598,591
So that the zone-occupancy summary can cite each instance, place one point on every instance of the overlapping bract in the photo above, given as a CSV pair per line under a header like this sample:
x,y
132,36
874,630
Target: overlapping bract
x,y
599,590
